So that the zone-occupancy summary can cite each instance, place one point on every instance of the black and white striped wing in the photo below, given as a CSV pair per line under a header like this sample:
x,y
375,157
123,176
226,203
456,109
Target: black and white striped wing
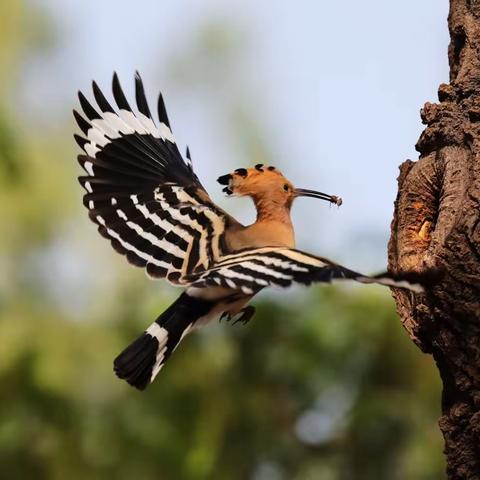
x,y
252,270
140,192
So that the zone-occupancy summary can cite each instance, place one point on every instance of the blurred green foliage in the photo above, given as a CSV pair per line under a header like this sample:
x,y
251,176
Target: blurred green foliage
x,y
321,384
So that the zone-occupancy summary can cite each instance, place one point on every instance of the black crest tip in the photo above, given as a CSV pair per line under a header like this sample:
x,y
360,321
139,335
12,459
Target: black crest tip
x,y
224,179
241,171
259,167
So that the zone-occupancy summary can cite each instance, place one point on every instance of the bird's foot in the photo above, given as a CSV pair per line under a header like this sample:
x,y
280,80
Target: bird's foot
x,y
247,314
243,316
225,315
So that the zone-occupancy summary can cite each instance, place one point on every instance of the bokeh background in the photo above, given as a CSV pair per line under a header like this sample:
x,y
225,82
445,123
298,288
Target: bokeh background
x,y
323,383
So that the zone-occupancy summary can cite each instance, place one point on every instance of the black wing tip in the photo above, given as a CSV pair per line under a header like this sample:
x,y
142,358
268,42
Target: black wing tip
x,y
80,142
118,94
162,111
81,122
83,158
100,98
87,108
426,278
140,97
81,98
138,81
96,89
116,82
82,179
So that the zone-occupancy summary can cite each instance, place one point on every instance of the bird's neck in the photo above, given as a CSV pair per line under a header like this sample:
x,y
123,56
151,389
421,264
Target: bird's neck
x,y
273,226
270,211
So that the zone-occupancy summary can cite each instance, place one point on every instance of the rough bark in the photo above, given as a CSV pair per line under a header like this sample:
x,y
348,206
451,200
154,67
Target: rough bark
x,y
437,224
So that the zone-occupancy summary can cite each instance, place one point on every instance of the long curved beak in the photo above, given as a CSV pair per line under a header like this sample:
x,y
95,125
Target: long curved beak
x,y
302,192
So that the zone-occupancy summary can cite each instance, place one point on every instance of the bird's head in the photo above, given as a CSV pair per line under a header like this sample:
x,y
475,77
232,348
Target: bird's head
x,y
264,182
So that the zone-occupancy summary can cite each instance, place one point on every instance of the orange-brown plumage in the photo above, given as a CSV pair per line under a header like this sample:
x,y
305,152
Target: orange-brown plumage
x,y
273,195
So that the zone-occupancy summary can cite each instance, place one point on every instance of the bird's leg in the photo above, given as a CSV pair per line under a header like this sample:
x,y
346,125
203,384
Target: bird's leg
x,y
233,308
247,313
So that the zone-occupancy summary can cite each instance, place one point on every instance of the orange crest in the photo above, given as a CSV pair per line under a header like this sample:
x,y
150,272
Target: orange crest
x,y
258,181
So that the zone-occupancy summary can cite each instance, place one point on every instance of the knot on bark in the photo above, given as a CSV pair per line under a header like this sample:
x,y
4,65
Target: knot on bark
x,y
416,209
430,113
445,126
446,92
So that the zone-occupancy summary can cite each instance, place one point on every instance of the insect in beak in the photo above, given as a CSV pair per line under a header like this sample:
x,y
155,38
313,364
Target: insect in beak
x,y
302,192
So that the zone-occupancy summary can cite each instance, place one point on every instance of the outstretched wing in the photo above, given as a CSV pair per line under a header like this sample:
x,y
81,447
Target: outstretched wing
x,y
140,192
251,270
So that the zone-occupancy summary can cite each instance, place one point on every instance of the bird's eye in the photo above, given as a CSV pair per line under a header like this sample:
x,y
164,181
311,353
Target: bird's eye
x,y
286,187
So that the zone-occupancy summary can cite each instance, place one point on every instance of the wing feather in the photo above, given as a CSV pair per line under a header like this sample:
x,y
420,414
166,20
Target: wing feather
x,y
144,197
251,270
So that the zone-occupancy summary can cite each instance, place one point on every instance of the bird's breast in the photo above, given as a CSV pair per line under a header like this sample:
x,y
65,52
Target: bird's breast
x,y
261,234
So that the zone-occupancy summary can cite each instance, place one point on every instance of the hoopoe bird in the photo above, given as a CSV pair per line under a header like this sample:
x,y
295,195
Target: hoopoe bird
x,y
149,203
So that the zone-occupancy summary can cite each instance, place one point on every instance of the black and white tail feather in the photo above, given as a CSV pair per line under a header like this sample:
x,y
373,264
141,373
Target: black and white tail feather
x,y
141,361
148,202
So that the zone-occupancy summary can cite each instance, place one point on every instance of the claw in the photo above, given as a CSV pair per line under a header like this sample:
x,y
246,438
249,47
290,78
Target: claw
x,y
223,315
247,314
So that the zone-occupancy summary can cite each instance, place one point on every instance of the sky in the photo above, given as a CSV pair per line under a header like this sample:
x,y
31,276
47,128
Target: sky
x,y
332,90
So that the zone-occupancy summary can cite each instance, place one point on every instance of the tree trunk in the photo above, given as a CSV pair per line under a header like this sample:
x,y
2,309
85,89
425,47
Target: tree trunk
x,y
436,223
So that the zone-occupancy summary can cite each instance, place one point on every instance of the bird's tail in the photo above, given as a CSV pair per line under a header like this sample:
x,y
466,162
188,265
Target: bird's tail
x,y
141,361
